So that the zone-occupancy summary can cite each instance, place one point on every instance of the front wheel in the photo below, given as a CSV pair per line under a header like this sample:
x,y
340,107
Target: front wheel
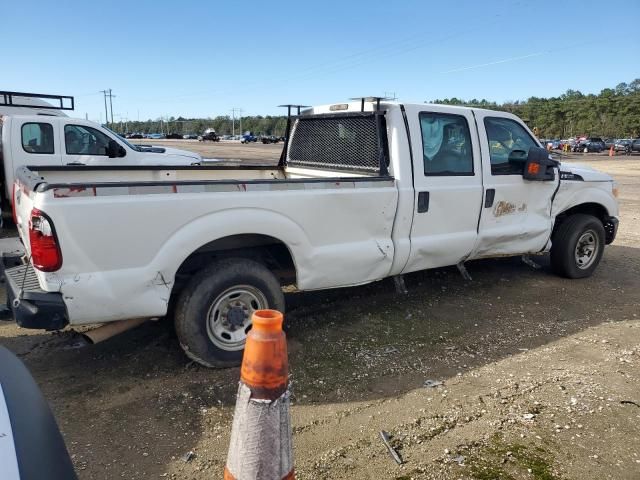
x,y
578,245
213,313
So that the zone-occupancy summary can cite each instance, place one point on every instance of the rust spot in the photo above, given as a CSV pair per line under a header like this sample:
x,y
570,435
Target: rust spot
x,y
503,208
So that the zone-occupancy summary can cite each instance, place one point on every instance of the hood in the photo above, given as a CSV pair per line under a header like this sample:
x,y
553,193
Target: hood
x,y
587,173
181,153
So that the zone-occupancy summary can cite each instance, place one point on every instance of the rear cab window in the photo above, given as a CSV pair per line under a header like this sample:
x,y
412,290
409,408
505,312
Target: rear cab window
x,y
504,136
446,144
37,138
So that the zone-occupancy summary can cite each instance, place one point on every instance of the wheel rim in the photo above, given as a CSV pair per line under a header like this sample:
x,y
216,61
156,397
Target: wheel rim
x,y
586,249
229,318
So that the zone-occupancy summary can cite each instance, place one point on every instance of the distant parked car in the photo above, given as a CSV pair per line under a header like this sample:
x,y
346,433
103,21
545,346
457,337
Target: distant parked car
x,y
135,135
591,144
156,136
174,136
635,145
622,145
247,138
609,142
209,136
190,136
270,139
554,144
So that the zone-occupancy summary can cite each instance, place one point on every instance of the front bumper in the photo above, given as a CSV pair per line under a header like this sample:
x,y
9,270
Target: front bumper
x,y
31,306
610,229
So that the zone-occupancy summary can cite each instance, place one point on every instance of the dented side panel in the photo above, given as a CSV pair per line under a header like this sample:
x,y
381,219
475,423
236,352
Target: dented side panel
x,y
519,219
118,266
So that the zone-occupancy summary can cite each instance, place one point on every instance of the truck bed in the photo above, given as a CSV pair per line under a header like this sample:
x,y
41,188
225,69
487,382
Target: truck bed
x,y
123,241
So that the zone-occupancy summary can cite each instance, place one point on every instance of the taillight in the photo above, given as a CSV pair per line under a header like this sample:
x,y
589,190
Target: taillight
x,y
45,251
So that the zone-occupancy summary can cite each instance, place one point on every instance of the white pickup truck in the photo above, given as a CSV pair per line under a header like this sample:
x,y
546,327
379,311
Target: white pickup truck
x,y
363,191
37,133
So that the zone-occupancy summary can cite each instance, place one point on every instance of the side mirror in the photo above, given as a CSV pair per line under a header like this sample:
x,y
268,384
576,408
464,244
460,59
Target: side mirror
x,y
539,165
517,160
114,149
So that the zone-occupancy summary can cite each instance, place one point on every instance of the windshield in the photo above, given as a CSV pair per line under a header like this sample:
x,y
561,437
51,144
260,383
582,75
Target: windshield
x,y
123,140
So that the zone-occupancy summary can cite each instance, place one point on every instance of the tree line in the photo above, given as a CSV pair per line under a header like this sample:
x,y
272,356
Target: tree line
x,y
223,125
614,112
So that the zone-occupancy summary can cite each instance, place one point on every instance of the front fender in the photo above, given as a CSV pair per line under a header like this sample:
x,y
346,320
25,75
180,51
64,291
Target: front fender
x,y
572,194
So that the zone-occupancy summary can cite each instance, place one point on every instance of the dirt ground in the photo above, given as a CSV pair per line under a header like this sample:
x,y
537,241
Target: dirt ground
x,y
539,376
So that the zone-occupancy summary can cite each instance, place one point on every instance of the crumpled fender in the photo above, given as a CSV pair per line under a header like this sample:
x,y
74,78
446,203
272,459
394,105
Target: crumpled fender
x,y
572,194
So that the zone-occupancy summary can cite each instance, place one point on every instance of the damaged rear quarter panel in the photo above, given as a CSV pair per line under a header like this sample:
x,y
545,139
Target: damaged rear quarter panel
x,y
122,262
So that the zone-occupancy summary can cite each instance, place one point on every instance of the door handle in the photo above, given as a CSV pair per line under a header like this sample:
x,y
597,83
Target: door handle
x,y
490,196
75,163
423,202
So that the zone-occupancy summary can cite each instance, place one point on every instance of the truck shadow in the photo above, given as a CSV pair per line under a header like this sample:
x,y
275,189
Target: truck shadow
x,y
138,393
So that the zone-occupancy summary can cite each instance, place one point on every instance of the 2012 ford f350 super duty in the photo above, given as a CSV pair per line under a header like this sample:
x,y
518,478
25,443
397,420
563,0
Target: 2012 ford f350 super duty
x,y
363,191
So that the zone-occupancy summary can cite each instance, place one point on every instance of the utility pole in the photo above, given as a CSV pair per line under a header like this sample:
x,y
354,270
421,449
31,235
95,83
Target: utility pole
x,y
106,115
233,121
111,103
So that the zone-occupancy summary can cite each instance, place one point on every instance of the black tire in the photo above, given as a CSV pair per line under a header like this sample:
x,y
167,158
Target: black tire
x,y
565,250
199,323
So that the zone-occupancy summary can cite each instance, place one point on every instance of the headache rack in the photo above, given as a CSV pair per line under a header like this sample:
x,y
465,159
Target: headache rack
x,y
54,102
346,141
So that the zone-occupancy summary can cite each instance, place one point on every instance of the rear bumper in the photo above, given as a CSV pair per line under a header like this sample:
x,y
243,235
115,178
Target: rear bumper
x,y
610,229
35,308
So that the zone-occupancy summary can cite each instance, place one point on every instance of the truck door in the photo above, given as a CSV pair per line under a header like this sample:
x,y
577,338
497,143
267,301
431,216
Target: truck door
x,y
34,142
84,145
447,182
516,213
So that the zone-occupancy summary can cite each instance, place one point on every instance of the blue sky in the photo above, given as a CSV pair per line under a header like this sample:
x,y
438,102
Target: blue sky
x,y
203,58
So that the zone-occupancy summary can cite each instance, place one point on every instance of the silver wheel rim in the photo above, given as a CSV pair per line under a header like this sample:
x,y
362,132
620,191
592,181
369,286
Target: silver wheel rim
x,y
229,317
586,249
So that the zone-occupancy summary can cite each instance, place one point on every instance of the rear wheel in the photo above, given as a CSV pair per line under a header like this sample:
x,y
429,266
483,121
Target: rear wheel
x,y
578,245
213,313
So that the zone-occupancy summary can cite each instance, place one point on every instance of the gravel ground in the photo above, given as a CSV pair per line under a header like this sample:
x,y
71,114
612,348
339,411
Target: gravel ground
x,y
539,376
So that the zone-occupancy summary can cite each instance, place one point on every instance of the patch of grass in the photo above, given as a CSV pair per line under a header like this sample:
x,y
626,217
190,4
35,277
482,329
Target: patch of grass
x,y
493,463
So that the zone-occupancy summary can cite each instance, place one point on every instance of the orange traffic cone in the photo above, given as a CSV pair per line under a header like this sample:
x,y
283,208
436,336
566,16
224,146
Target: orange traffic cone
x,y
260,446
611,153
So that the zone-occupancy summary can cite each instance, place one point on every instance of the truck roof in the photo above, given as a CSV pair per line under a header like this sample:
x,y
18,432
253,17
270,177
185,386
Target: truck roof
x,y
370,106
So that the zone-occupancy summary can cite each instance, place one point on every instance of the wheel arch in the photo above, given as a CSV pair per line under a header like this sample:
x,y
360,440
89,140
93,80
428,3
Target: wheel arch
x,y
588,208
242,232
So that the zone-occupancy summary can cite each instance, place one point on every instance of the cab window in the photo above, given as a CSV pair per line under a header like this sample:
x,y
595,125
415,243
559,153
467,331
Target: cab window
x,y
446,144
504,136
37,138
82,140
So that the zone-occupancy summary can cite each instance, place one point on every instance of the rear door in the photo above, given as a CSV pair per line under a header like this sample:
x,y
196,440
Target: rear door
x,y
447,180
34,142
516,213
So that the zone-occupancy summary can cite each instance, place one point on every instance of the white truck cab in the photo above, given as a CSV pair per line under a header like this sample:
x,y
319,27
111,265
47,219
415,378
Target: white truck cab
x,y
33,132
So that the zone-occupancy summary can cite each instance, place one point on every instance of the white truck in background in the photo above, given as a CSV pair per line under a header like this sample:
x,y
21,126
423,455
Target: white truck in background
x,y
363,191
33,131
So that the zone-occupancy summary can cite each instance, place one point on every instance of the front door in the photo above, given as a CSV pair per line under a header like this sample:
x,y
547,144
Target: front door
x,y
516,213
447,181
84,145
